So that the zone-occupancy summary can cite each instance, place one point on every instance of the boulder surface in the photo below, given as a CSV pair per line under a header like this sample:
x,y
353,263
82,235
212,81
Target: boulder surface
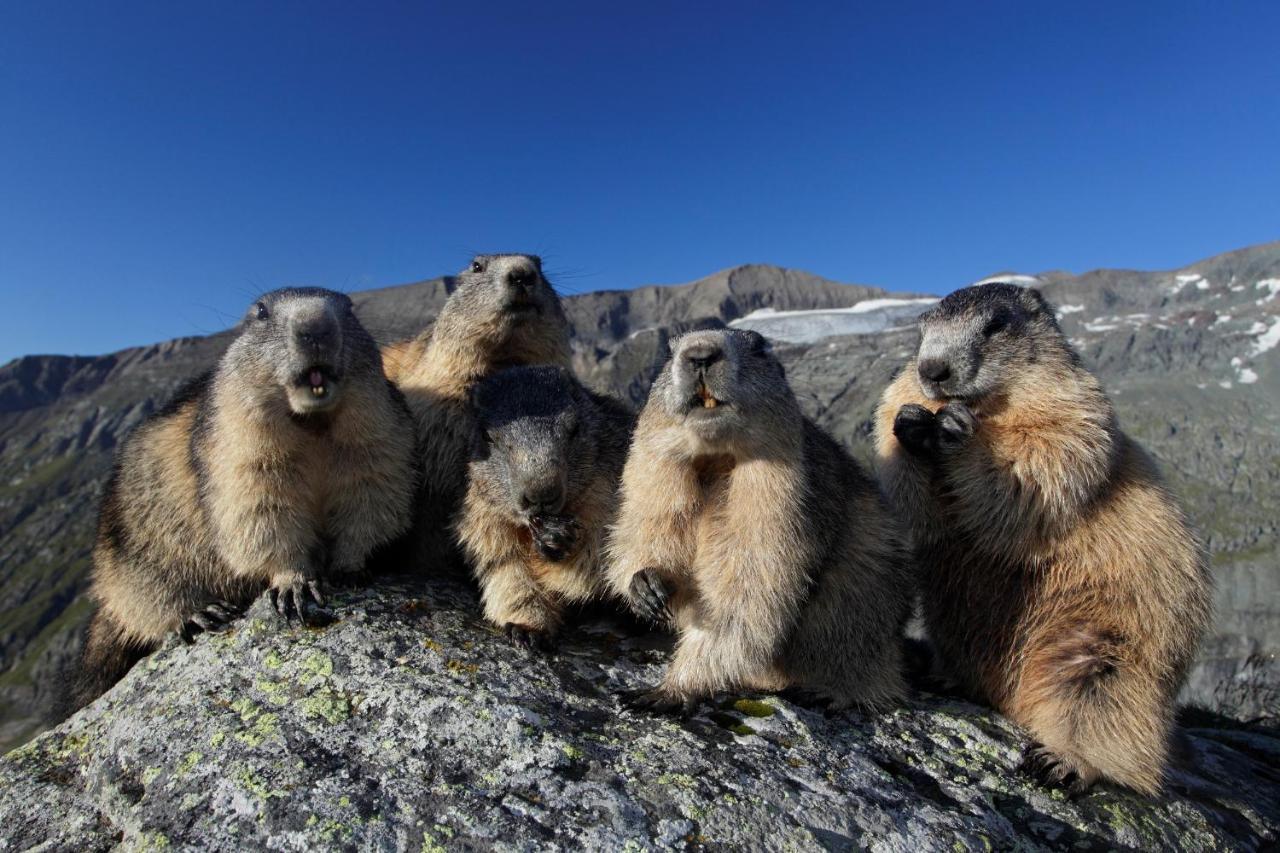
x,y
407,723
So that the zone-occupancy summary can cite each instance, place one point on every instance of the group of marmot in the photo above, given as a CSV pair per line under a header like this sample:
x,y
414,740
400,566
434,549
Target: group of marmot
x,y
1058,580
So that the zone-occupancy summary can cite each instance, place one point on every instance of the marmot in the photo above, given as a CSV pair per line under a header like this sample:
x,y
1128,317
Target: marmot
x,y
758,537
503,313
290,462
1060,582
542,489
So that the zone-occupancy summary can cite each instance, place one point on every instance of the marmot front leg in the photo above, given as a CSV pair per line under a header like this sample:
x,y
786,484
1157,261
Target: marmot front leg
x,y
514,603
691,678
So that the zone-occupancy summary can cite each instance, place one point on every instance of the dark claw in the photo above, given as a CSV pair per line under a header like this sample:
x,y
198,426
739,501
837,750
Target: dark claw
x,y
205,623
916,429
1051,771
811,699
956,423
651,596
214,618
530,639
660,701
806,697
294,601
554,535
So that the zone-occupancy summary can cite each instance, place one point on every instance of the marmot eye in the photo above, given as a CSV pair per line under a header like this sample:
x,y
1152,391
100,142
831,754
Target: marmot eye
x,y
476,266
262,312
995,324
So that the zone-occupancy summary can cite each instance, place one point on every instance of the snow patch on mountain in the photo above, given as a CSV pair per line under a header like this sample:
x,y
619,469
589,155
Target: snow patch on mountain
x,y
862,318
1268,336
1271,285
1181,281
1020,280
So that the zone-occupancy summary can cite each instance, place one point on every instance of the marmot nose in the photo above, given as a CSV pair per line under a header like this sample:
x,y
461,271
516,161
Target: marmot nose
x,y
542,497
702,355
935,370
317,335
521,278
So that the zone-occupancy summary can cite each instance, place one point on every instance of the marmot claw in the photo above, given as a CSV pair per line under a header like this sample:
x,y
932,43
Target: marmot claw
x,y
293,599
525,637
554,535
916,429
956,423
214,618
660,701
650,596
1052,771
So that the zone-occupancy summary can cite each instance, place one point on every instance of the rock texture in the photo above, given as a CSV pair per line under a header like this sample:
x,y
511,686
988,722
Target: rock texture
x,y
408,724
1190,356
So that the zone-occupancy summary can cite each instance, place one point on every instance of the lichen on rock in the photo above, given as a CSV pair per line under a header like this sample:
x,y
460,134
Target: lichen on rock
x,y
407,723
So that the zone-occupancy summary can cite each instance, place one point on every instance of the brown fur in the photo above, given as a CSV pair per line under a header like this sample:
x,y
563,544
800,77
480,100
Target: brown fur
x,y
785,569
475,335
227,492
1060,582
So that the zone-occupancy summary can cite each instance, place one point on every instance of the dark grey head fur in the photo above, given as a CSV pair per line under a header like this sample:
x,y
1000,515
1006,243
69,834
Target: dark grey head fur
x,y
972,341
301,345
509,288
718,381
541,438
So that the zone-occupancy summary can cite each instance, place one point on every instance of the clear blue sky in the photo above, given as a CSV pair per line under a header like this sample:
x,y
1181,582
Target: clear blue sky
x,y
160,162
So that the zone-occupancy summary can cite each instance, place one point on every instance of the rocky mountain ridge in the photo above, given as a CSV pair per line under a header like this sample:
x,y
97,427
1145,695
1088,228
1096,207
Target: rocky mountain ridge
x,y
1189,355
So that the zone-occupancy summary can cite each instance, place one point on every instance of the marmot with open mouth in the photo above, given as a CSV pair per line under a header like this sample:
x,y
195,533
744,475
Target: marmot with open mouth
x,y
290,462
757,538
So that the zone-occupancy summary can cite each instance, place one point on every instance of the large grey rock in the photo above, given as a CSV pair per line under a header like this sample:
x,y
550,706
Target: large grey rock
x,y
408,724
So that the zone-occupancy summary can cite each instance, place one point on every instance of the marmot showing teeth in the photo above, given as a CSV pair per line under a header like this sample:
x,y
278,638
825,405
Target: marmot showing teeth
x,y
542,489
1060,582
291,461
757,537
504,313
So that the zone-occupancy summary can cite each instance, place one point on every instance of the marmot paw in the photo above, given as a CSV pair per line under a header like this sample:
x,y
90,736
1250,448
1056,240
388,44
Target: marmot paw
x,y
650,596
212,619
956,423
1052,770
814,700
554,535
292,598
660,701
525,637
916,429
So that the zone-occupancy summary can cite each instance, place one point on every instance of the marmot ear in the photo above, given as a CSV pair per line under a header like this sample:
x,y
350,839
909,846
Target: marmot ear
x,y
757,343
479,447
477,396
1033,300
